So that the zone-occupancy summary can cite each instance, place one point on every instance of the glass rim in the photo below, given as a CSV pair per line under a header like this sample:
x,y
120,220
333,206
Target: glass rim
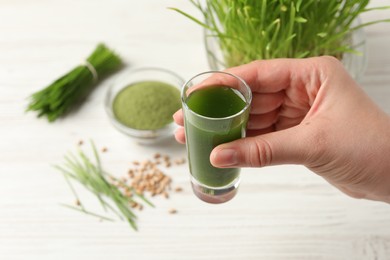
x,y
248,102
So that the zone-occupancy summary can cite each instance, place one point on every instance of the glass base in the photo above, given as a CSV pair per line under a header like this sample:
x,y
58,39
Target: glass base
x,y
215,195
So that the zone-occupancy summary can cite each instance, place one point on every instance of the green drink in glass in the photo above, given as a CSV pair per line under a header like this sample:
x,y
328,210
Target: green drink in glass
x,y
216,111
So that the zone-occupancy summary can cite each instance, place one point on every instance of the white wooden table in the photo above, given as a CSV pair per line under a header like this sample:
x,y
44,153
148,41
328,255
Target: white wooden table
x,y
283,212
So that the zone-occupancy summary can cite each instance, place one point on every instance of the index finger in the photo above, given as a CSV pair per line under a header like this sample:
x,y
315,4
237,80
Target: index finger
x,y
266,76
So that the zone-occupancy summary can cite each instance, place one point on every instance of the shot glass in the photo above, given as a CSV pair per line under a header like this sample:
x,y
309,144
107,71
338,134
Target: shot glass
x,y
213,126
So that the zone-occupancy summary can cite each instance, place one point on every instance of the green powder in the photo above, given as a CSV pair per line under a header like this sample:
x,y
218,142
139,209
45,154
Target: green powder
x,y
147,105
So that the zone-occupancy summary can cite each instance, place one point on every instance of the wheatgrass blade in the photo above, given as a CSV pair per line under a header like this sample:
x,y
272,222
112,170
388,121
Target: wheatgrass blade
x,y
191,17
87,212
246,30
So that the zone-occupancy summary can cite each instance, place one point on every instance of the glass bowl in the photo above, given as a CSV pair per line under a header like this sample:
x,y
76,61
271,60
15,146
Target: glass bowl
x,y
137,75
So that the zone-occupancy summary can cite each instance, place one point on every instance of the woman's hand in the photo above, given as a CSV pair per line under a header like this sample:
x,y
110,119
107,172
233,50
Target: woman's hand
x,y
311,112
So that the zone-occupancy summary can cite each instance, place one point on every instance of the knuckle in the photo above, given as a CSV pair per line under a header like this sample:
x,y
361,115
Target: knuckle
x,y
330,63
259,152
330,60
255,62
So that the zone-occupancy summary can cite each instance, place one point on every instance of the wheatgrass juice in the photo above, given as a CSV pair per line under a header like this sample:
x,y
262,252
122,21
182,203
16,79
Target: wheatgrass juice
x,y
214,114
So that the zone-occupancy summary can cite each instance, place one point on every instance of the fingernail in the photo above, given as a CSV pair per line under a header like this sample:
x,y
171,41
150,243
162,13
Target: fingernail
x,y
174,115
226,157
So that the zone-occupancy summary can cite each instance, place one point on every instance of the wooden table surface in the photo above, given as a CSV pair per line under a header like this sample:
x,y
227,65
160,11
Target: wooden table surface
x,y
283,212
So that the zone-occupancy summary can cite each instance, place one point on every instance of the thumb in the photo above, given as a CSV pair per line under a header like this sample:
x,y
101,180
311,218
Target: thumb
x,y
287,146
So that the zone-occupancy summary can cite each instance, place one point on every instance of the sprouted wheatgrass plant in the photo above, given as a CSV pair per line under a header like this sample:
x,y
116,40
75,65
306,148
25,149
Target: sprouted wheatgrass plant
x,y
263,29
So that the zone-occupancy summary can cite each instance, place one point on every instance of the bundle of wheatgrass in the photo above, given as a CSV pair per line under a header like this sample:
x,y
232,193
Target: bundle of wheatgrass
x,y
58,98
264,29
